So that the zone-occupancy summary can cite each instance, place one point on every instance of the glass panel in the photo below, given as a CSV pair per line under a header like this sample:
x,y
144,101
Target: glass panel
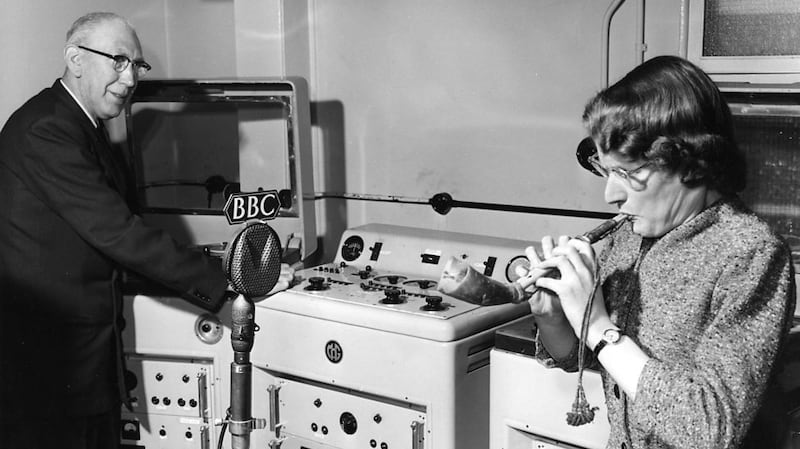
x,y
772,146
189,156
751,28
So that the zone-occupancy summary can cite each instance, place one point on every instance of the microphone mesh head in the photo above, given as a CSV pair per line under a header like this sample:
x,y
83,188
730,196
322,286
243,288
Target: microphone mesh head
x,y
252,261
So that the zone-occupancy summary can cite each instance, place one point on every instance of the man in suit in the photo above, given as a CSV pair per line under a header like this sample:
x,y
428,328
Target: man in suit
x,y
67,228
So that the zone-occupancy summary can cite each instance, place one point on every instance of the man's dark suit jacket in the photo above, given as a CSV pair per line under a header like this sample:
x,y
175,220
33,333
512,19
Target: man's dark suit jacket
x,y
66,229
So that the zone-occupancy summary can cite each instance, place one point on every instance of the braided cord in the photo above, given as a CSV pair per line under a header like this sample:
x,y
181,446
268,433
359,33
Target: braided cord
x,y
583,413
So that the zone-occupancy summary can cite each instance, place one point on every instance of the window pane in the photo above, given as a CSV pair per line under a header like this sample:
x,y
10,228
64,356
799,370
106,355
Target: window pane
x,y
770,143
187,153
751,28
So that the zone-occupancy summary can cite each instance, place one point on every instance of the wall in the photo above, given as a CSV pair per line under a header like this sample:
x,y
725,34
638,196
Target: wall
x,y
478,99
180,39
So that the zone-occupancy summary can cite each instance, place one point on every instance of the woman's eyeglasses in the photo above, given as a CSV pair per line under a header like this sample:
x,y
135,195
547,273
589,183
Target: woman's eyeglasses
x,y
121,62
588,159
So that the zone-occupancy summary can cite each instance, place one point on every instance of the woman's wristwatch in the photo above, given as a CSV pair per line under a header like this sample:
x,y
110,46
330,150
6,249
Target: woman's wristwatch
x,y
610,337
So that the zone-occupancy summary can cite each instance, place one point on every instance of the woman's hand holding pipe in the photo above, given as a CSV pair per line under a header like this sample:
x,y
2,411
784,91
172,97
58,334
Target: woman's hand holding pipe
x,y
554,330
575,261
529,277
544,304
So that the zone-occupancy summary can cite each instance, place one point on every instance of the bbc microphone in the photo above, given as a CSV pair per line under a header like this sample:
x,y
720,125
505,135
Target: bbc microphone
x,y
252,263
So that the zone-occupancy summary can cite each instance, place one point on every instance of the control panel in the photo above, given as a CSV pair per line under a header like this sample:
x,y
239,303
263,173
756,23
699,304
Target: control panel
x,y
317,415
170,404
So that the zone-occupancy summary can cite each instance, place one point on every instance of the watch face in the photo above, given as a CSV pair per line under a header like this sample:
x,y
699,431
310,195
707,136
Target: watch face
x,y
612,335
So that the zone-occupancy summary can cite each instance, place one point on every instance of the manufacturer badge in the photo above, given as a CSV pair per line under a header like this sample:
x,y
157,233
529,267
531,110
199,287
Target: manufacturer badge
x,y
333,351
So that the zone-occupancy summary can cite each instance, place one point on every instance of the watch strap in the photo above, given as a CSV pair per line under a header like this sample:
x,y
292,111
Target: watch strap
x,y
599,347
610,336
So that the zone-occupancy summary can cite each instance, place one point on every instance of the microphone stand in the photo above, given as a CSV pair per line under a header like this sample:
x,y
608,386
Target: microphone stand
x,y
256,247
242,334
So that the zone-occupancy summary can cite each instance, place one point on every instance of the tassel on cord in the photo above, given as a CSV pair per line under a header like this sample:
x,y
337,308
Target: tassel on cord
x,y
583,413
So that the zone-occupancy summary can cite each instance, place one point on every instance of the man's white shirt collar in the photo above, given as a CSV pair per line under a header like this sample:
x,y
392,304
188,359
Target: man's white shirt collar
x,y
78,101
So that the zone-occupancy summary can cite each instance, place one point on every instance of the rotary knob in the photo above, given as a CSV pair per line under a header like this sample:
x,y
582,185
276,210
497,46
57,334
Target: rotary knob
x,y
393,296
433,304
316,283
348,422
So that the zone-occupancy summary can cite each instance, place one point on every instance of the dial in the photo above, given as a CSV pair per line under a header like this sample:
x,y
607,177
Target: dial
x,y
352,248
421,283
511,268
391,278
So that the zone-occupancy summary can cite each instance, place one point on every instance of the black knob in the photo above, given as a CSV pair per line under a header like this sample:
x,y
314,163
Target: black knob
x,y
392,296
348,423
433,304
393,278
316,283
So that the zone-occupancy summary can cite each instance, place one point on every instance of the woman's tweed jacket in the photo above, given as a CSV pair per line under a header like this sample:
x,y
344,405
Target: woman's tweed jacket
x,y
710,302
